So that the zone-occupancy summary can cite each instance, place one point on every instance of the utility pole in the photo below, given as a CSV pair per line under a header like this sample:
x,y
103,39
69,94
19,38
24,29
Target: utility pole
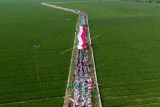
x,y
37,60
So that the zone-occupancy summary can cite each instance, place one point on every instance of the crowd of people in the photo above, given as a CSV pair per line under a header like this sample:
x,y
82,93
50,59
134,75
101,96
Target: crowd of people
x,y
83,83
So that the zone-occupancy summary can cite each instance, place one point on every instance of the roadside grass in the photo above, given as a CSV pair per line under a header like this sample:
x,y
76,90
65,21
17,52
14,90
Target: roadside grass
x,y
127,53
23,24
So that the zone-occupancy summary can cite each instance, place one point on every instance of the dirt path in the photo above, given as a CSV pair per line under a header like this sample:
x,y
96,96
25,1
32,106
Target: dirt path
x,y
67,94
59,7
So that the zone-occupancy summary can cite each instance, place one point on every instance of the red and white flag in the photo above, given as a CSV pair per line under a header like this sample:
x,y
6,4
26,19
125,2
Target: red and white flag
x,y
82,41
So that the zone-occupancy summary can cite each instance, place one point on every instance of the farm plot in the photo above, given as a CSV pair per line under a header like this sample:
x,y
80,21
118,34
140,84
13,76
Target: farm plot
x,y
22,25
127,53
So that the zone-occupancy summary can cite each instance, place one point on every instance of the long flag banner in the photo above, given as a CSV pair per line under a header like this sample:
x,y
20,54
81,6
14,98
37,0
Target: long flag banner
x,y
82,41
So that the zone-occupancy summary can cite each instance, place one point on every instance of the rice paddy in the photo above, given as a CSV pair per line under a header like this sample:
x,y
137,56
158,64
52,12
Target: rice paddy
x,y
127,52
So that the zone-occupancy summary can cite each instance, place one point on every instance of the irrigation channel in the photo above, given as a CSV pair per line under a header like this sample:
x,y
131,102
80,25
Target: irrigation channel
x,y
82,87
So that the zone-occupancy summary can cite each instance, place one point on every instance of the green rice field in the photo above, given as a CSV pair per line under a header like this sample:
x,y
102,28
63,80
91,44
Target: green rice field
x,y
24,23
127,52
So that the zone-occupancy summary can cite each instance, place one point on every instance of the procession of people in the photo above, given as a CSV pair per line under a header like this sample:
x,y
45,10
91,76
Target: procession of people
x,y
82,83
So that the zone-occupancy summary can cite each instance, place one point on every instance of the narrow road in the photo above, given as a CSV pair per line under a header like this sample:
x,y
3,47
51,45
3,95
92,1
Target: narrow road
x,y
79,51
